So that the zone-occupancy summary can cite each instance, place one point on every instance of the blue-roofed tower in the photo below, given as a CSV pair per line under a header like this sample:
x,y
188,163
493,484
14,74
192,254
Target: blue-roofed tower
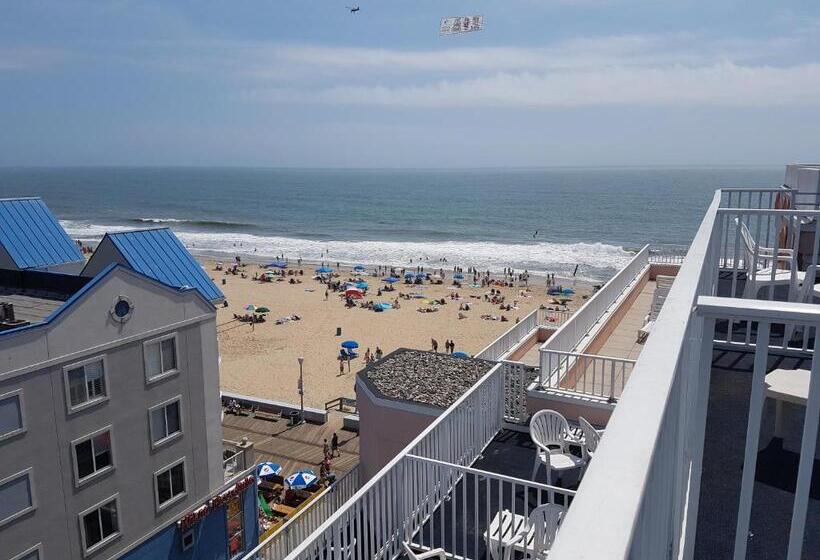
x,y
158,254
31,238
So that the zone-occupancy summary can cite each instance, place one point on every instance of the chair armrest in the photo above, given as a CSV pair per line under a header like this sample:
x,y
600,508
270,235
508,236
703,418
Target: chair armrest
x,y
435,553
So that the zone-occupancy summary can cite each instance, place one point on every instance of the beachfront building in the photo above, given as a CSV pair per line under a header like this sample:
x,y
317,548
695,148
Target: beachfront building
x,y
698,372
110,430
32,239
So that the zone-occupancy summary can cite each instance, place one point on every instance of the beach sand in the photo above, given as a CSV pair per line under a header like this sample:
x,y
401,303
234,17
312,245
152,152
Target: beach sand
x,y
261,360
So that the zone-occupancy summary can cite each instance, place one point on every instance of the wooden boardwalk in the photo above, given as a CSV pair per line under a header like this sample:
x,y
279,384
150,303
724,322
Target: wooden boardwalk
x,y
294,447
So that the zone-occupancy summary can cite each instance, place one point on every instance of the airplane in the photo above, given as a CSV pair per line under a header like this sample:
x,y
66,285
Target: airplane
x,y
353,9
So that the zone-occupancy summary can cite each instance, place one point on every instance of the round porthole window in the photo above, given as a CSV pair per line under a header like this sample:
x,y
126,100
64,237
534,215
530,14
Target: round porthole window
x,y
121,309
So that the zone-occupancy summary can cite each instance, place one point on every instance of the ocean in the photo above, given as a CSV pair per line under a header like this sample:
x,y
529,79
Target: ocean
x,y
542,220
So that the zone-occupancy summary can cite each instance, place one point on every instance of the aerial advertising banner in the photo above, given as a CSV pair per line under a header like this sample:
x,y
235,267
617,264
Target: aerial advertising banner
x,y
461,24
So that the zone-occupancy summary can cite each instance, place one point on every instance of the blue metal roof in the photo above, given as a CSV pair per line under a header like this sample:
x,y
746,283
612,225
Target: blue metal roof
x,y
31,235
159,254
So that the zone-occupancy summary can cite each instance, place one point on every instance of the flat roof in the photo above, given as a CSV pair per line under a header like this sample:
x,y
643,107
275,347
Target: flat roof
x,y
36,294
418,376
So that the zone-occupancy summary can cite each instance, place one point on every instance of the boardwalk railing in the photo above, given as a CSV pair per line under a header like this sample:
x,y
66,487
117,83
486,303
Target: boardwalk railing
x,y
305,521
598,376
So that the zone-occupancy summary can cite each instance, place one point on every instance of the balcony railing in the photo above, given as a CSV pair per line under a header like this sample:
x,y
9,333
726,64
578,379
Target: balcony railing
x,y
654,441
507,341
587,374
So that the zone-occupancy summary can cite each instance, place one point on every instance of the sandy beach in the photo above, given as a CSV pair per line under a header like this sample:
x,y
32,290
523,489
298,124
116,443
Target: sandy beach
x,y
261,359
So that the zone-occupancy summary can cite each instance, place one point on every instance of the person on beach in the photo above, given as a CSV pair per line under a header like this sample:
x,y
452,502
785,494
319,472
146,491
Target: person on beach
x,y
434,344
326,449
378,353
341,367
326,294
367,356
334,446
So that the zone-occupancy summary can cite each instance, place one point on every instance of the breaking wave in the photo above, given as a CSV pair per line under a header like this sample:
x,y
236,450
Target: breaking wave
x,y
595,261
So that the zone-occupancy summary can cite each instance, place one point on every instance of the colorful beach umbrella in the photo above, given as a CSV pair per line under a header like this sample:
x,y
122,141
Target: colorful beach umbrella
x,y
391,280
353,293
383,306
264,470
300,480
361,285
350,344
359,268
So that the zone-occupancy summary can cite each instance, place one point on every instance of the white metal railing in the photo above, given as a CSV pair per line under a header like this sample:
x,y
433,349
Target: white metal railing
x,y
511,338
571,333
654,441
453,506
378,516
651,446
305,521
239,459
754,197
588,374
553,318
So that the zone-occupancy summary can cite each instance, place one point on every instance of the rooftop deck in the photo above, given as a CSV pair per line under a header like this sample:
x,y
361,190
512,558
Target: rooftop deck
x,y
622,340
294,447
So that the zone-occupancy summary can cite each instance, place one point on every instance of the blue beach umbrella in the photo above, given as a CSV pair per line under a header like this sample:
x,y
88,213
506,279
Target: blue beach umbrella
x,y
359,268
301,479
409,274
324,270
361,285
277,264
350,344
458,276
391,280
460,355
383,306
264,470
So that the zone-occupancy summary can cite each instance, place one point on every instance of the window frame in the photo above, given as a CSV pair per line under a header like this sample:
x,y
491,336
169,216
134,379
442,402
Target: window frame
x,y
174,498
91,402
168,438
241,514
21,404
78,482
106,540
38,548
158,341
28,473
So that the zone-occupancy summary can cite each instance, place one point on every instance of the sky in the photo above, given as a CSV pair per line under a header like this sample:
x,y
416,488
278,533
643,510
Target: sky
x,y
306,83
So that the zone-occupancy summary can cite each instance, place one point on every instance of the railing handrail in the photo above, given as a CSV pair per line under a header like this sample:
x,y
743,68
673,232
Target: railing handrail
x,y
365,488
501,338
592,356
590,303
626,451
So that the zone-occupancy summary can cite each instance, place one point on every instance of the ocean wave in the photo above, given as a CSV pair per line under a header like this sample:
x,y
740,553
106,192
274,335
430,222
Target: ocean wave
x,y
204,223
596,261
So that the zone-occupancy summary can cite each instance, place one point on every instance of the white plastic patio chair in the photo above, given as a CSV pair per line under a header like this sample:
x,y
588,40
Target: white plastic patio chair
x,y
435,553
591,438
550,433
533,536
765,266
806,294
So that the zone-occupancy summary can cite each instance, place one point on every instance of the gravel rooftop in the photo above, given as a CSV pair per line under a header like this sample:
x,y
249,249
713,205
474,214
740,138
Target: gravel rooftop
x,y
424,377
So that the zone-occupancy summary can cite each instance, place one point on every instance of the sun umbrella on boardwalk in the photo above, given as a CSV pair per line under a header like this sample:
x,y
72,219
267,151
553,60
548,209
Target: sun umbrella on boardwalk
x,y
265,470
301,479
350,344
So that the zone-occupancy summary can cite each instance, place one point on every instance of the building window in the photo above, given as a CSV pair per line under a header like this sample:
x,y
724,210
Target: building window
x,y
86,383
11,414
92,455
236,527
187,539
169,484
160,357
16,496
165,421
99,525
32,553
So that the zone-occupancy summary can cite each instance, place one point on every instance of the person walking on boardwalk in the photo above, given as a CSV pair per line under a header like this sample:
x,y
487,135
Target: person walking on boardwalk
x,y
334,446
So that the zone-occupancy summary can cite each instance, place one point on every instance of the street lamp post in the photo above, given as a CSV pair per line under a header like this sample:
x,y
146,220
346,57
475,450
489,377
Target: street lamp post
x,y
301,391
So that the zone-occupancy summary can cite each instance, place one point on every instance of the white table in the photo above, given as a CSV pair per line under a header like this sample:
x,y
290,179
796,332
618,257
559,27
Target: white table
x,y
786,385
